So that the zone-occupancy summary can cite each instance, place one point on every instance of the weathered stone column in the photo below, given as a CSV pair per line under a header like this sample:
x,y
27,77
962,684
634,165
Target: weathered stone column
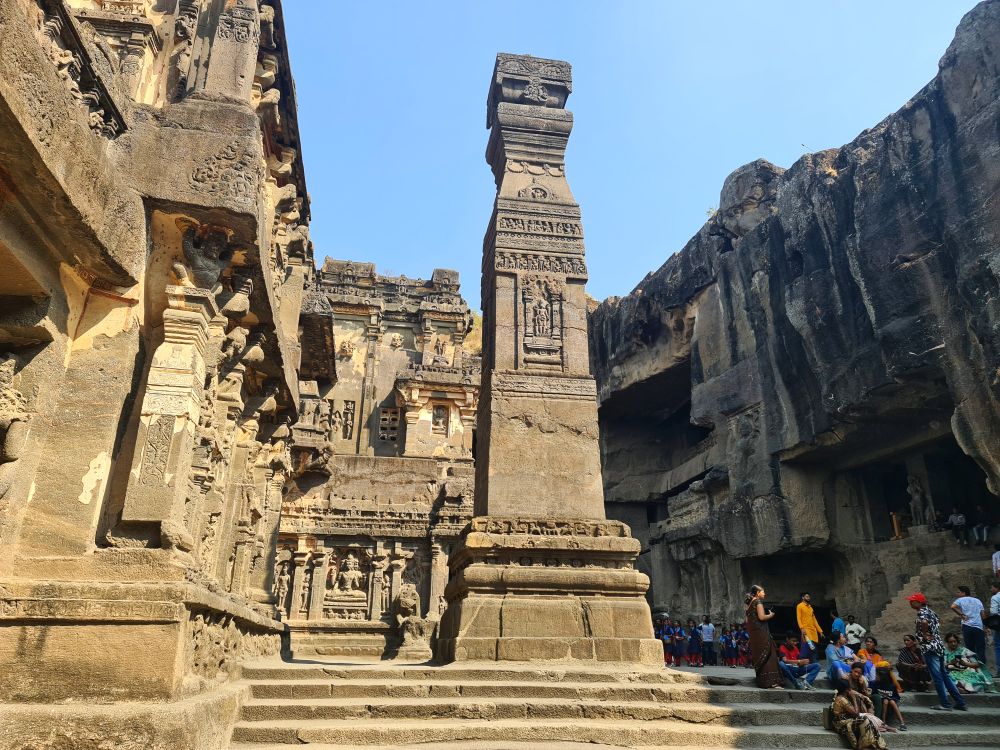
x,y
321,567
158,485
233,58
379,563
438,579
299,560
540,574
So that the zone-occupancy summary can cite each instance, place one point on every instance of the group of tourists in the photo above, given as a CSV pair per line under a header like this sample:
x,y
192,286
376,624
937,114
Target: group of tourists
x,y
702,644
868,691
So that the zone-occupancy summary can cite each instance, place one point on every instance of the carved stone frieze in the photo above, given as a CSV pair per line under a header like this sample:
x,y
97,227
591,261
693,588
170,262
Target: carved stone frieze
x,y
524,385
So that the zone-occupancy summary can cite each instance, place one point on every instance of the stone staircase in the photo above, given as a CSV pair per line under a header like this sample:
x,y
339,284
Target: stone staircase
x,y
939,584
332,706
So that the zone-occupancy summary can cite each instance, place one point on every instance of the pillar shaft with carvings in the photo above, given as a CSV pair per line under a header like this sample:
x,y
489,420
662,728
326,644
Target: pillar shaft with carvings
x,y
157,485
540,574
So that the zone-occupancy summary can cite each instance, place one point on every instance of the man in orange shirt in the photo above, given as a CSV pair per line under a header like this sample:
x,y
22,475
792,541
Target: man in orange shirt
x,y
809,628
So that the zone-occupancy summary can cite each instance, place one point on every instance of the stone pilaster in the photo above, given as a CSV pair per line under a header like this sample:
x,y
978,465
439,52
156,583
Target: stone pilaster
x,y
234,51
540,574
300,560
321,568
157,484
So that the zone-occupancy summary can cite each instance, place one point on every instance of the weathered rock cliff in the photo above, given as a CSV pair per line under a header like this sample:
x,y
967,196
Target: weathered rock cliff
x,y
827,337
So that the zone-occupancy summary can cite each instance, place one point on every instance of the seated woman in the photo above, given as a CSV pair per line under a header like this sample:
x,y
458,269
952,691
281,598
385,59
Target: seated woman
x,y
853,719
964,668
912,668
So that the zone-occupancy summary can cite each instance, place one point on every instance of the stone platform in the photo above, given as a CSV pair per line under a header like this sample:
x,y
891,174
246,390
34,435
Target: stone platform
x,y
525,590
491,706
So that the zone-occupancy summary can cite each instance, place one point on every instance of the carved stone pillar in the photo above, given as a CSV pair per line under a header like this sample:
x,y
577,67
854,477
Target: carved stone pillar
x,y
438,579
131,66
300,558
540,574
321,568
397,564
158,483
234,51
380,561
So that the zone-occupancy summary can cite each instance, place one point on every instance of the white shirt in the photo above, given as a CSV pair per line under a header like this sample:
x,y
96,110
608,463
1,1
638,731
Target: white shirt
x,y
996,563
972,611
708,632
995,604
854,633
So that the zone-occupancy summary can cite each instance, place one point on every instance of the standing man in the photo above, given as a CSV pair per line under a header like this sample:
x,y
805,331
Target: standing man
x,y
838,623
928,630
708,642
970,609
855,634
995,621
809,628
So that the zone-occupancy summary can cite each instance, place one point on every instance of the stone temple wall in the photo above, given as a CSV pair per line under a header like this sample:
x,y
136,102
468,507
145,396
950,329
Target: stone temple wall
x,y
383,456
154,251
819,363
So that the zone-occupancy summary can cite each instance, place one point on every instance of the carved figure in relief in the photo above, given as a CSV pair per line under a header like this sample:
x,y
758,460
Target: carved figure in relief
x,y
307,411
206,254
535,91
439,418
348,420
323,423
350,580
337,423
396,340
346,349
541,318
918,500
282,586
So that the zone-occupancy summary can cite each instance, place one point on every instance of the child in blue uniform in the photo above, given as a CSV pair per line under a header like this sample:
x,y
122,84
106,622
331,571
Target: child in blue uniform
x,y
693,645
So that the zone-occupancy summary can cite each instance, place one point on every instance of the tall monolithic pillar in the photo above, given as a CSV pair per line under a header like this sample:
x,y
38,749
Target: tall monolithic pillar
x,y
540,573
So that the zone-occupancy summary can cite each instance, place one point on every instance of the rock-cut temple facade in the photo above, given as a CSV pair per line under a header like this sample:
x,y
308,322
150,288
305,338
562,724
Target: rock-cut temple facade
x,y
215,451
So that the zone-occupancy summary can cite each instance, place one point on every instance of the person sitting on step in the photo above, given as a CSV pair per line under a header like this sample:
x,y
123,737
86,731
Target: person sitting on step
x,y
799,671
965,669
913,672
887,688
853,718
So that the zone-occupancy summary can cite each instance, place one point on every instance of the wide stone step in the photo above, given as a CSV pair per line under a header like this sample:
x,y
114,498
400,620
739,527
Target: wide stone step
x,y
500,709
379,689
531,745
619,733
485,673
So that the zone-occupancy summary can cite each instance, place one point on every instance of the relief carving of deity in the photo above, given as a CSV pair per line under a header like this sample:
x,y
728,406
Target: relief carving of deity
x,y
541,322
351,582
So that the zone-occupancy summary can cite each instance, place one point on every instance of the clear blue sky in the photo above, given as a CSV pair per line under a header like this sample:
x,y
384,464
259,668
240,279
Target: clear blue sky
x,y
669,97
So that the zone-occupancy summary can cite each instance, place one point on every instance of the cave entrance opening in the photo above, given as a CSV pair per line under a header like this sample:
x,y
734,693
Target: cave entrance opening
x,y
785,577
923,487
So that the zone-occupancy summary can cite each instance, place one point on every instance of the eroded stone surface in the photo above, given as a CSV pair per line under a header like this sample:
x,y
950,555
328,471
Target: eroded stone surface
x,y
820,356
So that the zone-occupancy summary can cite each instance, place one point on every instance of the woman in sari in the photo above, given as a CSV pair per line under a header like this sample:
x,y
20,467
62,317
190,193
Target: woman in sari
x,y
912,668
763,652
853,719
964,668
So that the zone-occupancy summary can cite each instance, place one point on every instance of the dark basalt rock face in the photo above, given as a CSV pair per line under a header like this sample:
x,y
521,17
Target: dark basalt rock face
x,y
841,312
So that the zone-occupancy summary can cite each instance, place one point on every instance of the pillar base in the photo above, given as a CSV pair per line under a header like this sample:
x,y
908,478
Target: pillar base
x,y
547,589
